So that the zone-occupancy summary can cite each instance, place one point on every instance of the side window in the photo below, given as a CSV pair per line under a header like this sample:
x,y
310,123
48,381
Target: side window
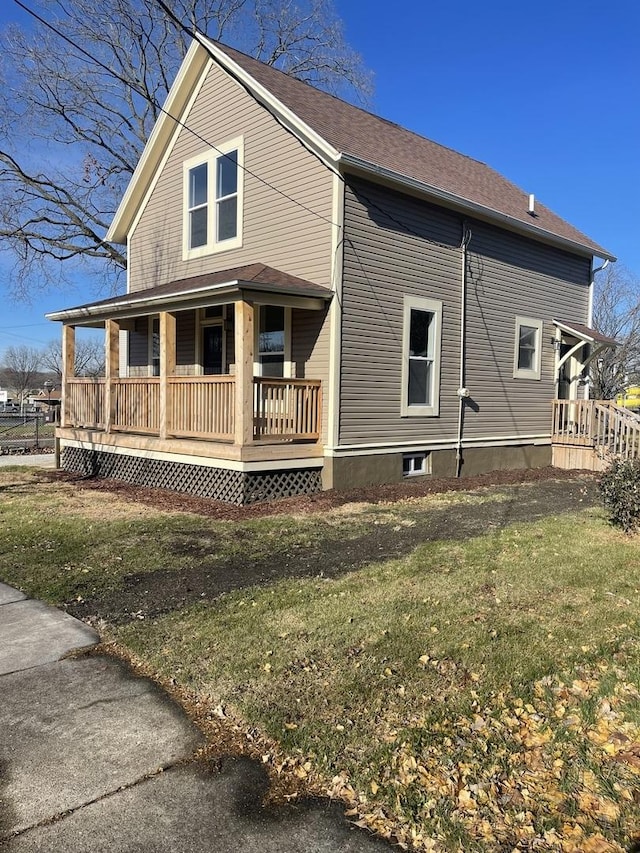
x,y
154,346
421,356
213,189
271,340
528,348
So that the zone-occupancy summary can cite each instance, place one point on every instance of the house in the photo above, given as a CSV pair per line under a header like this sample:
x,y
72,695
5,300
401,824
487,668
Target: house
x,y
320,298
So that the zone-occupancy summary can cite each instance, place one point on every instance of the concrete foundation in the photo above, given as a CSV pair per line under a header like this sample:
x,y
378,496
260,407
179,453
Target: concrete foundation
x,y
348,472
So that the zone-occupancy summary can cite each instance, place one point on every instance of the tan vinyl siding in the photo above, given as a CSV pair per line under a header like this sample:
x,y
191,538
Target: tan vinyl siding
x,y
185,346
276,231
186,358
396,245
310,335
510,276
139,348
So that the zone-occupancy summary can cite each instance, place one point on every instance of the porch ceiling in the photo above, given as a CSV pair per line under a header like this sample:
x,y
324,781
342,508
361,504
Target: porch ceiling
x,y
254,282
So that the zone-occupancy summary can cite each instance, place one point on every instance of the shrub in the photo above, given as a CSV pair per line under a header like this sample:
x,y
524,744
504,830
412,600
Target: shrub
x,y
619,489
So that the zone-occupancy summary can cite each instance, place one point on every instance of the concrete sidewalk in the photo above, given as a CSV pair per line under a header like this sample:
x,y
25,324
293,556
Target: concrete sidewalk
x,y
40,460
93,757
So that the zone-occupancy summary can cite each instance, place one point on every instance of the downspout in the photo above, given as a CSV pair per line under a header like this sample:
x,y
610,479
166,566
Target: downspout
x,y
592,282
463,392
591,285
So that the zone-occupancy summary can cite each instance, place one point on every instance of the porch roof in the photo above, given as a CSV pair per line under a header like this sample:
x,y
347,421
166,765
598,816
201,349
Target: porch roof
x,y
586,334
254,282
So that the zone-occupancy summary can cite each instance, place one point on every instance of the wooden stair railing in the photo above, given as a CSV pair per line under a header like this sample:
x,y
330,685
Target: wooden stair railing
x,y
608,430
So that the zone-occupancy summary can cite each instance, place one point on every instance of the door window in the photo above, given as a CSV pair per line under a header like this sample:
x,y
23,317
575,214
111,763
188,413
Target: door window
x,y
212,360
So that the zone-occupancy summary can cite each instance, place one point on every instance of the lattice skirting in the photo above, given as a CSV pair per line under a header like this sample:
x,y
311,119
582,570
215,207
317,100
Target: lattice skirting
x,y
237,487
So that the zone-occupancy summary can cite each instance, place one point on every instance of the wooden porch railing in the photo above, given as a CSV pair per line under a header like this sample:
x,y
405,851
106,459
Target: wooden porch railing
x,y
609,429
136,405
84,404
197,407
287,409
202,407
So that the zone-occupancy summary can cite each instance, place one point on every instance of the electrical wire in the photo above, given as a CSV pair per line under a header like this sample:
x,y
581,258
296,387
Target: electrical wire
x,y
202,40
407,228
139,91
193,33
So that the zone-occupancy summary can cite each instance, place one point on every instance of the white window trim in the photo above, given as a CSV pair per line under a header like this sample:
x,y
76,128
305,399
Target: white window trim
x,y
434,306
421,457
210,157
520,373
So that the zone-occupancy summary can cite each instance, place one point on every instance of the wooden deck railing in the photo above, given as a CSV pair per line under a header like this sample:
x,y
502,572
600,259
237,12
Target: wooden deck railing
x,y
84,404
202,407
197,407
136,405
609,429
287,409
573,422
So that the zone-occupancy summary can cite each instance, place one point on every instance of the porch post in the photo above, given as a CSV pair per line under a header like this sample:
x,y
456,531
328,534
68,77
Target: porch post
x,y
68,370
167,368
244,372
111,370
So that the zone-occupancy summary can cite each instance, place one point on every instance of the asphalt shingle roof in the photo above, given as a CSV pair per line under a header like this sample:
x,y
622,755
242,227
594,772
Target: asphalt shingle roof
x,y
253,276
356,132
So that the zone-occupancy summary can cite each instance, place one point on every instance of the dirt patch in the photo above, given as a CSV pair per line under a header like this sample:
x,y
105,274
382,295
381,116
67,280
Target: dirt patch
x,y
146,595
304,504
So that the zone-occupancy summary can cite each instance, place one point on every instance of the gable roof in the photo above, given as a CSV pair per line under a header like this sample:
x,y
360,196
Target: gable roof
x,y
350,138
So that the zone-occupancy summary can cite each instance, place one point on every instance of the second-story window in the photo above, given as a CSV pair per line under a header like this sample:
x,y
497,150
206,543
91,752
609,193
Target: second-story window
x,y
198,206
213,201
227,196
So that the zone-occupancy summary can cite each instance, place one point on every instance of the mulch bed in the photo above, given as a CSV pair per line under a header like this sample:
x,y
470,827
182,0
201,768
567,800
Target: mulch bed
x,y
305,504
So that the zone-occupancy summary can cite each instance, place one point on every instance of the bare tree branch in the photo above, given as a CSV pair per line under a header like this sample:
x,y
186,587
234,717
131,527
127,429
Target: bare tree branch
x,y
71,133
616,313
20,369
90,358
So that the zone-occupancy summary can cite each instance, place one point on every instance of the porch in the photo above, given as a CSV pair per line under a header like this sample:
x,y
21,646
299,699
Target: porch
x,y
212,385
215,367
589,434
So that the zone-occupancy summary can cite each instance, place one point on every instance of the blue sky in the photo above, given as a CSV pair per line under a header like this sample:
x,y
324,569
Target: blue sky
x,y
547,93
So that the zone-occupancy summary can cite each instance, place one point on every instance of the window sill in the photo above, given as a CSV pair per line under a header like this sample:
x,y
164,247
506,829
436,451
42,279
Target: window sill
x,y
527,374
420,412
216,249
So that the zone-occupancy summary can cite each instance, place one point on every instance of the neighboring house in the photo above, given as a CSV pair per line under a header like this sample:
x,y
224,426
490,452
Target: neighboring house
x,y
318,297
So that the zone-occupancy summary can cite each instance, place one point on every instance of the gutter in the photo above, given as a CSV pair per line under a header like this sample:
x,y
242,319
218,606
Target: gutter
x,y
349,160
227,288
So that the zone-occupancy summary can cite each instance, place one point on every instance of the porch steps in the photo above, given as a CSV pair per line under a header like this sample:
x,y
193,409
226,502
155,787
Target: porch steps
x,y
589,434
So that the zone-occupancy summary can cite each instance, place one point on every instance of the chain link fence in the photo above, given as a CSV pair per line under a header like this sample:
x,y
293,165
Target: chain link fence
x,y
21,434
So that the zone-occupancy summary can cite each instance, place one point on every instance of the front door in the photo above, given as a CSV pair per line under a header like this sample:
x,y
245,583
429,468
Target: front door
x,y
564,374
570,372
212,362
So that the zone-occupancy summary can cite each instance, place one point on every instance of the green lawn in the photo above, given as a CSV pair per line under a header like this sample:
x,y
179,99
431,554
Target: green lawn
x,y
479,695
